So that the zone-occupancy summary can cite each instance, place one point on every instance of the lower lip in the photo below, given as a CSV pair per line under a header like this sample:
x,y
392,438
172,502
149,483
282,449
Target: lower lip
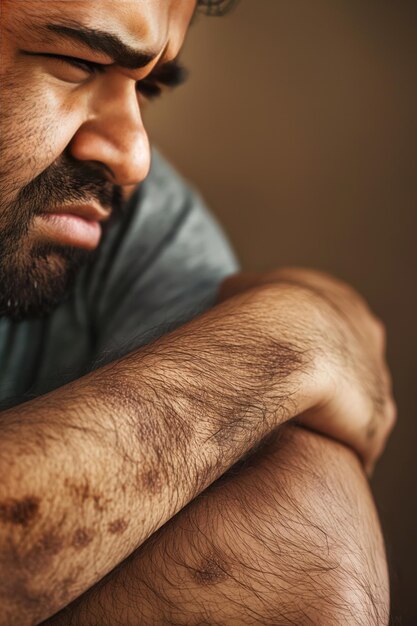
x,y
70,230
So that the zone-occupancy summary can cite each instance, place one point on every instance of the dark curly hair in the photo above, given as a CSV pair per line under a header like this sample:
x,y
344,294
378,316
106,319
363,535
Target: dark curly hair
x,y
215,7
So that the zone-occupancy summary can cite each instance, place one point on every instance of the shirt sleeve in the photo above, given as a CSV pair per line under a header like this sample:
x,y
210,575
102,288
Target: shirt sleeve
x,y
160,267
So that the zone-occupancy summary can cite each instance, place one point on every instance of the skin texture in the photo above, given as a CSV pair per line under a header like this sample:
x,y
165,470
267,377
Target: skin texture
x,y
175,416
290,536
83,133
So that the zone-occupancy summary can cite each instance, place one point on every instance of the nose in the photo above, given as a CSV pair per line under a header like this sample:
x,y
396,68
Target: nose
x,y
114,136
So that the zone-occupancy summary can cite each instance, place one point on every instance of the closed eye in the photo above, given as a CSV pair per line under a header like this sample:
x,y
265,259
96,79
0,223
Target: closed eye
x,y
169,74
87,66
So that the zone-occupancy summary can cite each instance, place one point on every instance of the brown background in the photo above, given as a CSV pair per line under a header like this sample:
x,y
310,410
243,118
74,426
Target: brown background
x,y
298,125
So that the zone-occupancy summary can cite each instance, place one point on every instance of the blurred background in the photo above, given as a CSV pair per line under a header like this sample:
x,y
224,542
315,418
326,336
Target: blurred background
x,y
298,125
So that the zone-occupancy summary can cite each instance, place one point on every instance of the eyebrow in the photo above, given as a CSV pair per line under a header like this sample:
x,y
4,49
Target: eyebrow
x,y
104,42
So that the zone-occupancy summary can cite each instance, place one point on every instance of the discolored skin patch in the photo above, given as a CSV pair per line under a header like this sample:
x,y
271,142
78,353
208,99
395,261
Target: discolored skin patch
x,y
210,571
118,526
83,493
82,537
19,512
26,598
152,481
40,555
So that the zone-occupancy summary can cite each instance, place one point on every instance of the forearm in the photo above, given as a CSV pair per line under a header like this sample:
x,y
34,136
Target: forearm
x,y
291,536
95,467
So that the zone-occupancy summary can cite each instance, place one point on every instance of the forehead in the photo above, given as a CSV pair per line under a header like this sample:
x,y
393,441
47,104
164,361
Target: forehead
x,y
155,24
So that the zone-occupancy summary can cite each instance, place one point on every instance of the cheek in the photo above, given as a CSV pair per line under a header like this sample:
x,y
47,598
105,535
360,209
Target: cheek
x,y
36,125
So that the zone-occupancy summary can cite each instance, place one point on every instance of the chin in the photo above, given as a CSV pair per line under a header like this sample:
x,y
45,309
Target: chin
x,y
34,286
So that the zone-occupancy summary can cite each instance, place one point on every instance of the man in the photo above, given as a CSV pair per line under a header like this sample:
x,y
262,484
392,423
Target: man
x,y
109,433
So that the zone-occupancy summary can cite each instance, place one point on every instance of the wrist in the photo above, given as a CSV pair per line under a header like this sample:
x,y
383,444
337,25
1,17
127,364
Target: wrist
x,y
296,331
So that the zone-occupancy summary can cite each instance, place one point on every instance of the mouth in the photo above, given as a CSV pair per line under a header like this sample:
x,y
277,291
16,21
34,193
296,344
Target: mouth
x,y
72,225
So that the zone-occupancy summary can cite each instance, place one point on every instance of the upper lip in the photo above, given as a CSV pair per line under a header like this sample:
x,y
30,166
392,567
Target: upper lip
x,y
88,211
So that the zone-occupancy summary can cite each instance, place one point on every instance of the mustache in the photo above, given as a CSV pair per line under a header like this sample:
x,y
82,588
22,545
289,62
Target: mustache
x,y
65,181
69,181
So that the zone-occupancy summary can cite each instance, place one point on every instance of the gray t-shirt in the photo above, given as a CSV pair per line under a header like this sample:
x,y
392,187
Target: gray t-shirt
x,y
159,266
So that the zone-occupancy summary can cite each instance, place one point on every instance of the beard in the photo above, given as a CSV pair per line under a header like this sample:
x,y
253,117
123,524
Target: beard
x,y
35,278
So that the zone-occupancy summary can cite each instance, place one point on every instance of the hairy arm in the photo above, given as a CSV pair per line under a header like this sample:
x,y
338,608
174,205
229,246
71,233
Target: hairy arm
x,y
290,536
92,469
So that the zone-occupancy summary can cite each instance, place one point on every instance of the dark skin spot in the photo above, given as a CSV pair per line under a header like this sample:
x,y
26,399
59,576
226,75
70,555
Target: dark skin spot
x,y
151,481
81,491
118,526
83,494
41,553
27,599
210,571
82,537
19,512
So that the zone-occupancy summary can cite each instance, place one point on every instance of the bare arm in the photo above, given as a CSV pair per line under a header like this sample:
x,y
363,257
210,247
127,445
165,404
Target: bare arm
x,y
92,469
291,536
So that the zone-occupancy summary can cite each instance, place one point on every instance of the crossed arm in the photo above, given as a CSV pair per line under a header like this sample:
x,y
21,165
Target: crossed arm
x,y
104,462
290,536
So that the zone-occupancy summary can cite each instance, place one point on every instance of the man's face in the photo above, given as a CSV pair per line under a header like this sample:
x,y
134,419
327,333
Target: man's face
x,y
74,77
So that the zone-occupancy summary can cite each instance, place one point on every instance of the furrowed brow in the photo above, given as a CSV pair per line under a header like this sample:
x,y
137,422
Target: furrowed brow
x,y
106,43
